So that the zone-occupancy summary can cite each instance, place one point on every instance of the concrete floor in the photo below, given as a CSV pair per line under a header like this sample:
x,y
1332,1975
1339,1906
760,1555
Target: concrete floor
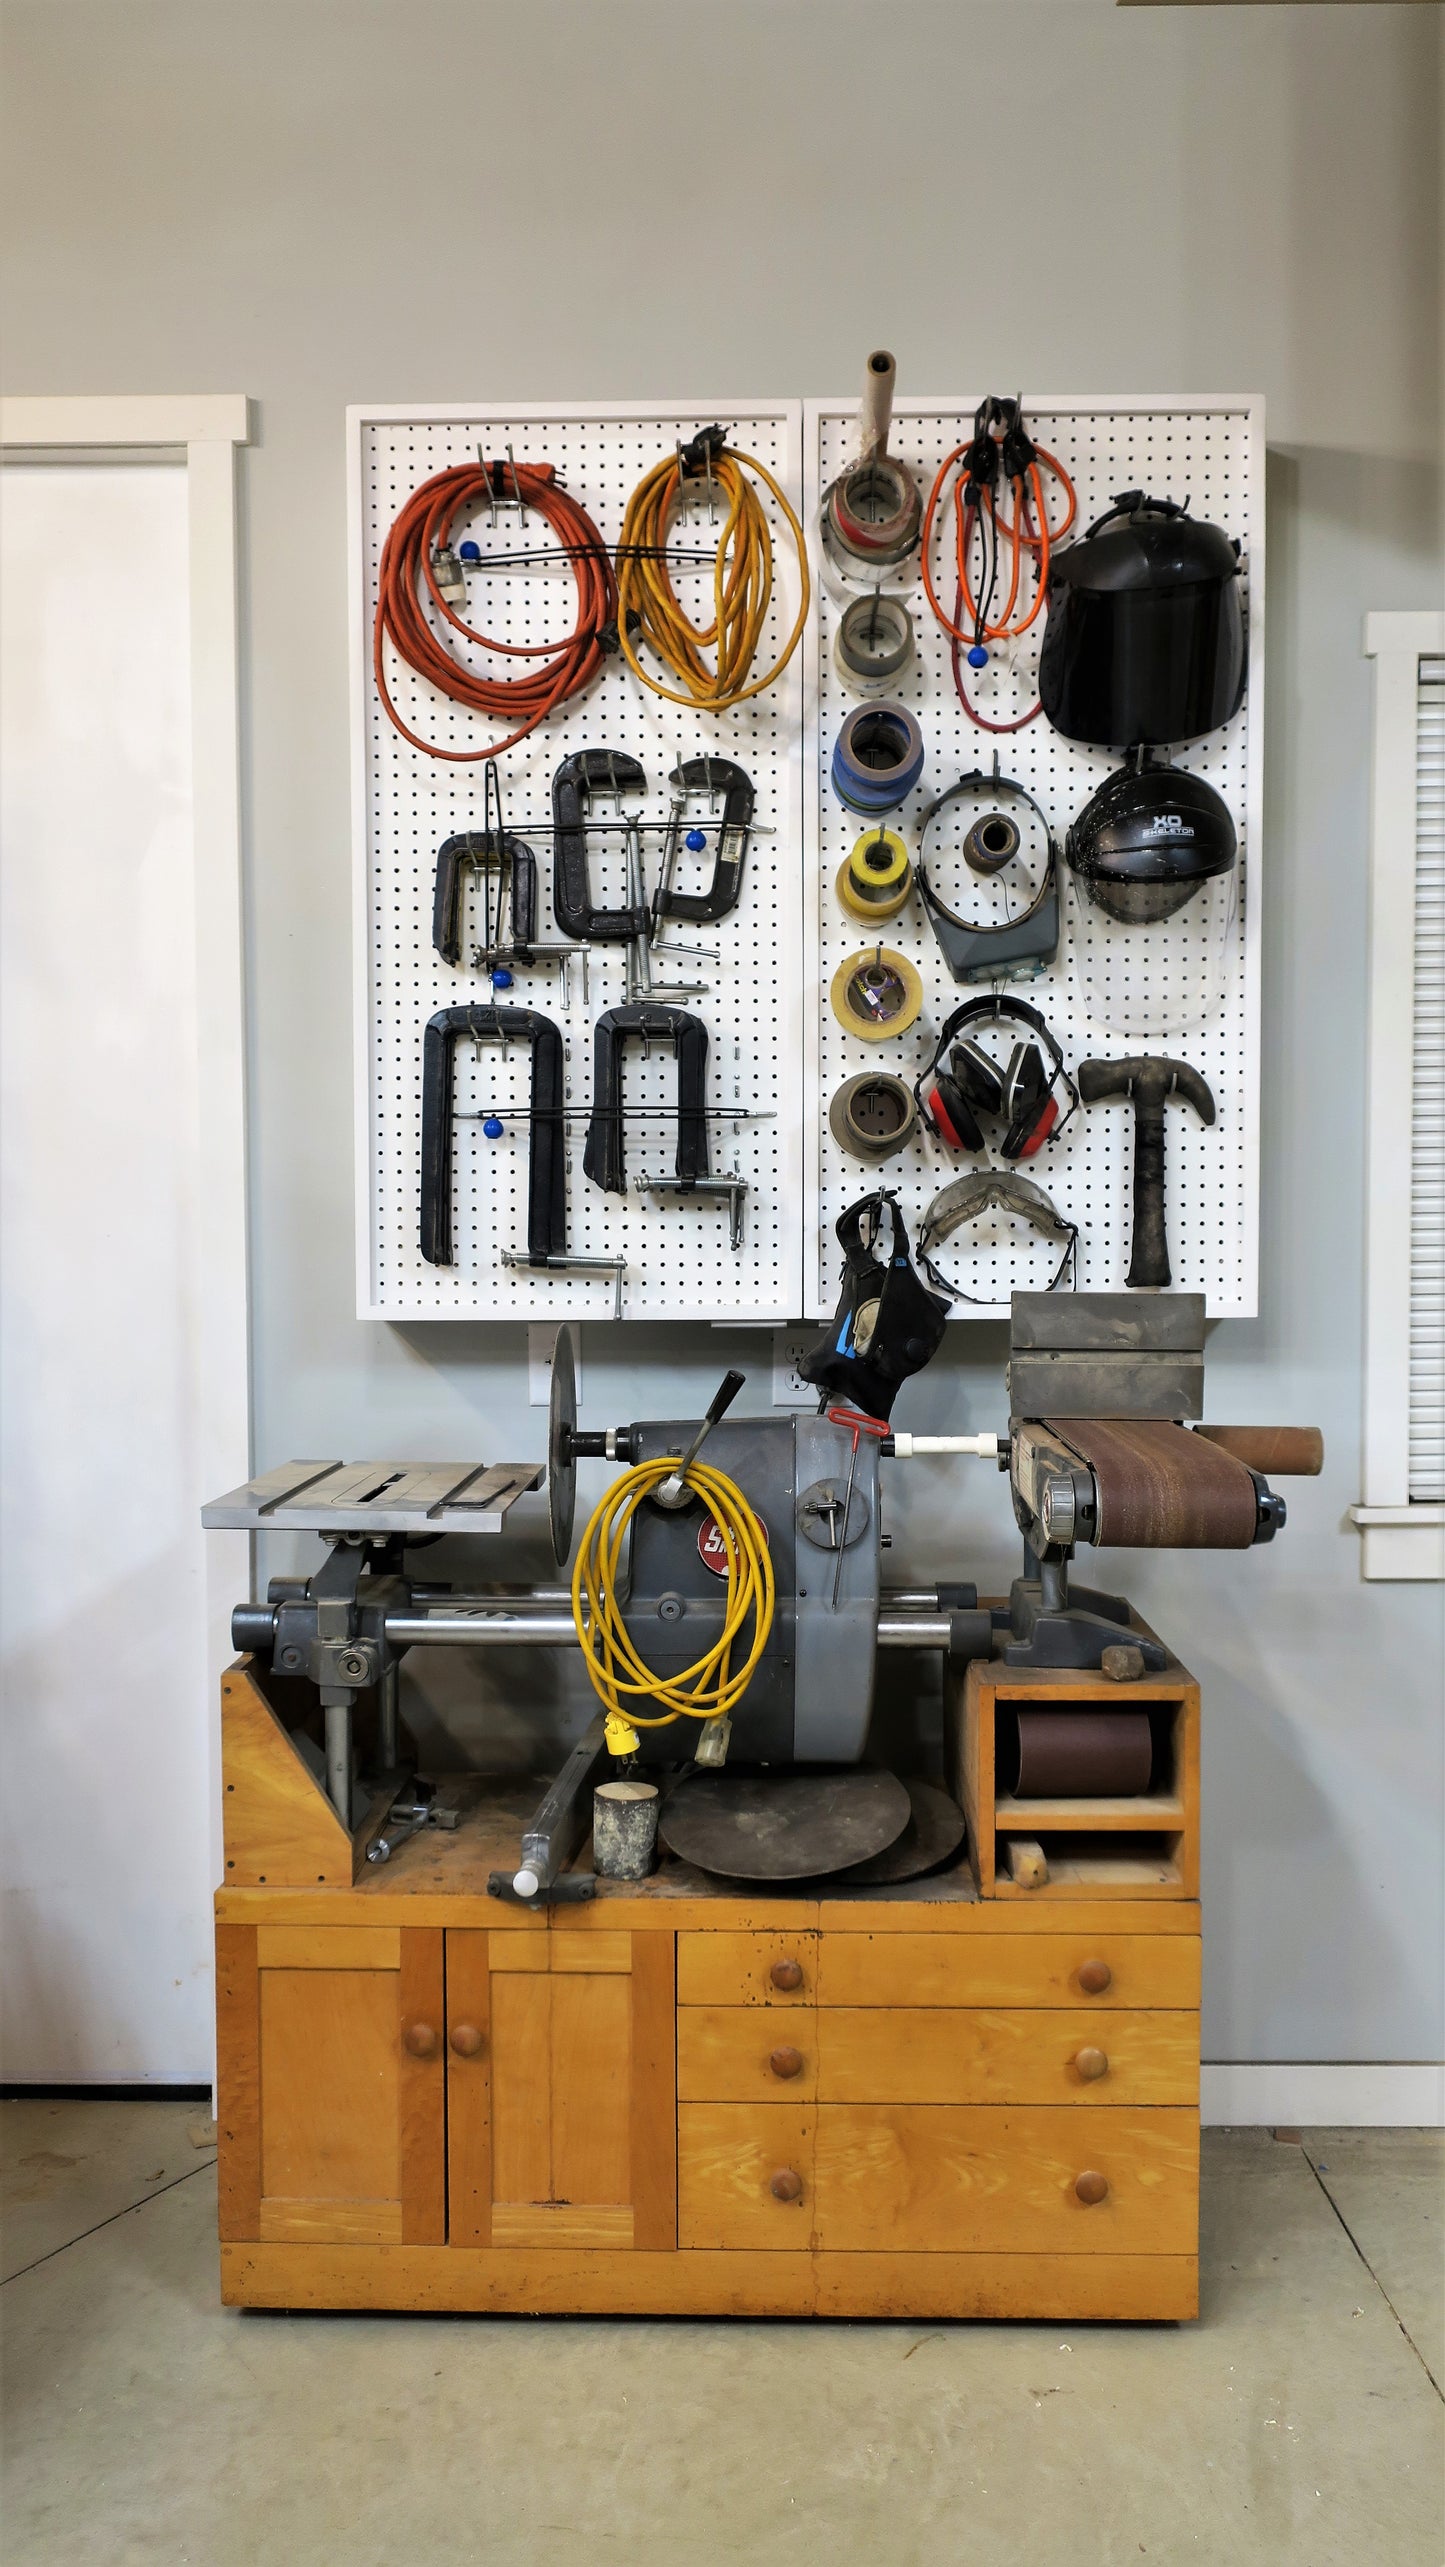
x,y
1300,2421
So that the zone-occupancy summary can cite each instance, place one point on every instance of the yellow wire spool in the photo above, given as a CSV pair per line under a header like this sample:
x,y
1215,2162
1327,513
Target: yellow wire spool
x,y
877,994
877,878
620,1676
742,584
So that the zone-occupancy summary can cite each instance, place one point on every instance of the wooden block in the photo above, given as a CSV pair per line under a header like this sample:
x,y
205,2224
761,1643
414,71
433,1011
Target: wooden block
x,y
279,1827
602,1952
330,2084
590,2058
1001,1970
697,2284
1060,2287
562,2224
421,2099
726,2054
238,2081
654,2090
970,2179
522,2087
555,2281
1015,2055
1025,1862
340,2223
329,1947
469,2092
738,1969
728,2158
521,1953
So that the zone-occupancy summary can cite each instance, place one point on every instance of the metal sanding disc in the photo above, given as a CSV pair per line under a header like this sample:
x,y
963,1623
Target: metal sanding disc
x,y
783,1826
934,1832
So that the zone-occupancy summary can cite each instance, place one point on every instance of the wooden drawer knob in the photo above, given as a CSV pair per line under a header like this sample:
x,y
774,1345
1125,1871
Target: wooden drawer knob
x,y
1091,2064
786,1974
420,2040
786,2062
467,2041
788,2187
1095,1977
1091,2186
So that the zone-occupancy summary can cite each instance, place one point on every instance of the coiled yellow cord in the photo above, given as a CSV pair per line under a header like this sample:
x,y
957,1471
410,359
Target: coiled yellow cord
x,y
742,585
709,1689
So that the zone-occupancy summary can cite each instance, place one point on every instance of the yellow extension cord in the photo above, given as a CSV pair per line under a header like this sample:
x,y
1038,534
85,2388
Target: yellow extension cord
x,y
742,586
709,1688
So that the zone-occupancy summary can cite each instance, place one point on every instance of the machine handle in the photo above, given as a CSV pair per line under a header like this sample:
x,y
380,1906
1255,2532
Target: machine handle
x,y
1091,2186
1094,1977
420,2040
786,2186
467,2040
786,1974
786,2062
723,1397
1091,2064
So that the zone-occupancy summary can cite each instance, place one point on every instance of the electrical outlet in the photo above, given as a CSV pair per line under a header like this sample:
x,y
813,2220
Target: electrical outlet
x,y
541,1338
790,1390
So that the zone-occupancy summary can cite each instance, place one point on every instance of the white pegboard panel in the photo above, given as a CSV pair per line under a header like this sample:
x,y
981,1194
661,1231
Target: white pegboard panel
x,y
1192,993
679,1261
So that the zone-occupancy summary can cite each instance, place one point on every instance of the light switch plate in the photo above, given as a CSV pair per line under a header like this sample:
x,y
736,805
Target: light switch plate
x,y
541,1338
790,1390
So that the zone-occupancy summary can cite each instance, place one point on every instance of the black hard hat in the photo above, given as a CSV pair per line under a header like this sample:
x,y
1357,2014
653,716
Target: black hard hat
x,y
1147,840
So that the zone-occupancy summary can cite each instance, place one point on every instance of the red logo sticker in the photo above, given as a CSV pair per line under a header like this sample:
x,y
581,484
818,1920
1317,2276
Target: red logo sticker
x,y
712,1550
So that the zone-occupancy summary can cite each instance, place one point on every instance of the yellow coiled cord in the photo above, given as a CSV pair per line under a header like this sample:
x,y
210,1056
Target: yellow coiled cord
x,y
742,585
709,1689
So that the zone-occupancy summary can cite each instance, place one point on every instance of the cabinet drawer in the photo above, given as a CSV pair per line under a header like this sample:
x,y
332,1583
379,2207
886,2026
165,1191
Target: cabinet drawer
x,y
747,1969
736,2053
967,2179
1022,2055
745,2175
1078,1970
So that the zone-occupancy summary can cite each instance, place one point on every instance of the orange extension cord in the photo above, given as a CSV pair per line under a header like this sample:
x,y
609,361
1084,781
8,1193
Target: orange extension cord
x,y
569,664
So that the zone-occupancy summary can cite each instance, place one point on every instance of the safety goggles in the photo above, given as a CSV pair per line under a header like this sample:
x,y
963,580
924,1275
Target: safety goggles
x,y
994,1190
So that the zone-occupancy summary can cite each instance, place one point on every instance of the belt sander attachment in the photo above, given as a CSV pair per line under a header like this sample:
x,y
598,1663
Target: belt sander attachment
x,y
1103,1394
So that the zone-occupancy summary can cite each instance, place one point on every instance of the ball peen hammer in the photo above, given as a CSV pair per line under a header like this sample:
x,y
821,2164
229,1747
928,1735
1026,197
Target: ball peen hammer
x,y
1148,1082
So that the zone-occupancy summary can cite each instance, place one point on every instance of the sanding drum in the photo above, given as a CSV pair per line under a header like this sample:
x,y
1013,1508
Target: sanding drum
x,y
1160,1487
1088,1755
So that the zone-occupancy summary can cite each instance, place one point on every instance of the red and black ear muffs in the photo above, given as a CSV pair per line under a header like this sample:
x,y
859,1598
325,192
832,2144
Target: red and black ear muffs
x,y
1022,1096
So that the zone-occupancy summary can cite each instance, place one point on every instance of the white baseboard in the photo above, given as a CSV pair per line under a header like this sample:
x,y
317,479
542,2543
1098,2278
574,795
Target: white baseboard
x,y
1323,2094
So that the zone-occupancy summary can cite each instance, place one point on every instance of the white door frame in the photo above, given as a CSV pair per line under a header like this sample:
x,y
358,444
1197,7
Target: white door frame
x,y
204,433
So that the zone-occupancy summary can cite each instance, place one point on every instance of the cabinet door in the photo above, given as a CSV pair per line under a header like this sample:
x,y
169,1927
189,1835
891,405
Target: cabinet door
x,y
332,2094
561,2087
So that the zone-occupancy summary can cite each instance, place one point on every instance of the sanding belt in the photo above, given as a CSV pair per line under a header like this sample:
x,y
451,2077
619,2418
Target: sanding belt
x,y
1161,1487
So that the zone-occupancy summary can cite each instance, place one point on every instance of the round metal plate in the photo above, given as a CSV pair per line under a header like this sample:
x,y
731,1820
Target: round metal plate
x,y
783,1826
935,1830
562,1475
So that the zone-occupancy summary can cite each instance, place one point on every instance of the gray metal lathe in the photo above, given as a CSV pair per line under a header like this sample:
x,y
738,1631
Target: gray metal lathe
x,y
1101,1447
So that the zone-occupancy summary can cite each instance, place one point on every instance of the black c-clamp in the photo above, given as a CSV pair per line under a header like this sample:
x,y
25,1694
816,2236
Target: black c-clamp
x,y
576,780
516,866
711,776
603,1159
547,1148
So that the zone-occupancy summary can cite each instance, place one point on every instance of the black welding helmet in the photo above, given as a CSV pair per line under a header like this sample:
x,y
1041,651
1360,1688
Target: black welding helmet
x,y
1147,841
1145,643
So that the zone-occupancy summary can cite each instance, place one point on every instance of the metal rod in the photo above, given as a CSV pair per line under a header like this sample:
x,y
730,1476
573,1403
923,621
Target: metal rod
x,y
389,1740
456,1627
338,1759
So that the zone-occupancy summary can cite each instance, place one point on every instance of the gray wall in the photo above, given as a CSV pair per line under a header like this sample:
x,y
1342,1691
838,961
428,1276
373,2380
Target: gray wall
x,y
431,199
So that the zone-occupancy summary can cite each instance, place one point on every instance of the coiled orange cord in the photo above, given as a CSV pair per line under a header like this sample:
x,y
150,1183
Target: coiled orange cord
x,y
407,575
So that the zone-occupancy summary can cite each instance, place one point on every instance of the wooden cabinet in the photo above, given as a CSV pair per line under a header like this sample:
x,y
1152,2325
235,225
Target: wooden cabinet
x,y
560,2089
687,2098
332,2095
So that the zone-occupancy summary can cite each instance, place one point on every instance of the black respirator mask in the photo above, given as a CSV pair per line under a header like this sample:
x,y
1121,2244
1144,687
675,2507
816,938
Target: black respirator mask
x,y
887,1323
